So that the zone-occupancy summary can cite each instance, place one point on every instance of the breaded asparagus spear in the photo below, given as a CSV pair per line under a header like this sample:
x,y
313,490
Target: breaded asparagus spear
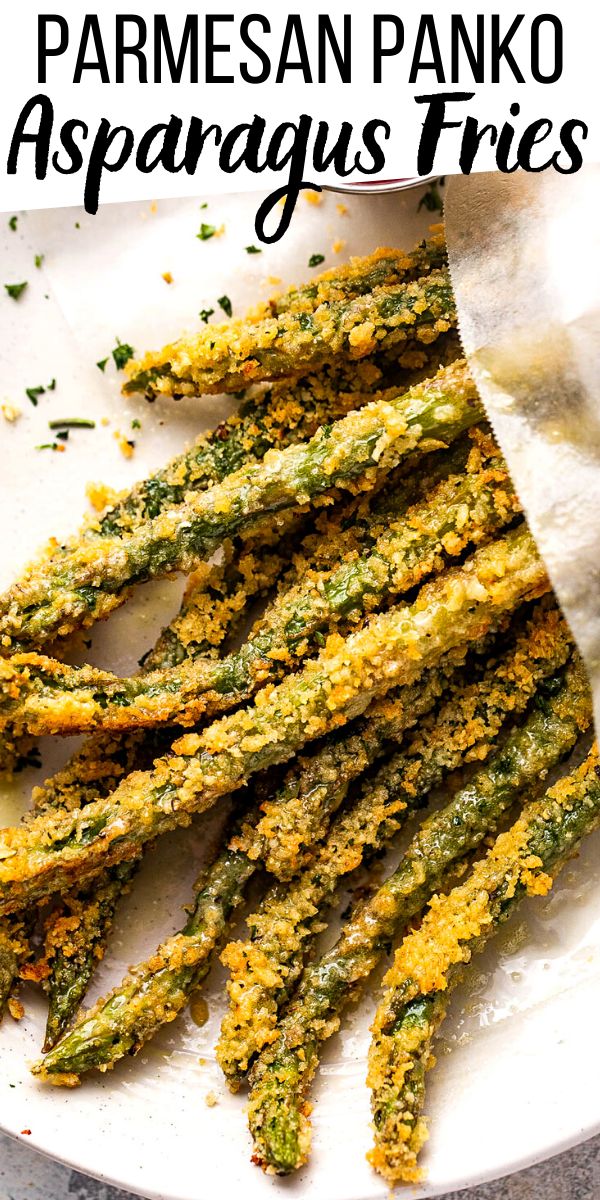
x,y
75,940
287,414
156,991
130,1016
135,1010
282,1075
395,647
431,961
43,695
265,967
360,275
89,582
229,356
76,930
297,816
283,415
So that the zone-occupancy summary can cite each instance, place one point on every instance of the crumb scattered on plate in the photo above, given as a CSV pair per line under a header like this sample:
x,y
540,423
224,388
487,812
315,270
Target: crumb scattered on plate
x,y
10,412
126,446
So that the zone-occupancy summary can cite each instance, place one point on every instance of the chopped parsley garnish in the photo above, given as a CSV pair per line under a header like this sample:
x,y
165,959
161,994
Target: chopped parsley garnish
x,y
121,354
38,260
205,313
135,424
102,364
225,303
72,423
52,385
12,224
77,225
206,232
47,446
253,250
15,289
315,260
432,199
63,434
33,393
205,205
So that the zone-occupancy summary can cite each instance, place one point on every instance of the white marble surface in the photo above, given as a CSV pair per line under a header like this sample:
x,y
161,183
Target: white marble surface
x,y
25,1175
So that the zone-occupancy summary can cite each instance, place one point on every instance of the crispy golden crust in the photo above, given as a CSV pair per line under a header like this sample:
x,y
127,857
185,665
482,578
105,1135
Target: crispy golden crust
x,y
430,960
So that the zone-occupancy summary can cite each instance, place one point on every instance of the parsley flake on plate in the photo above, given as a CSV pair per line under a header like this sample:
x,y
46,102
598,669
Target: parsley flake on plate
x,y
15,289
121,354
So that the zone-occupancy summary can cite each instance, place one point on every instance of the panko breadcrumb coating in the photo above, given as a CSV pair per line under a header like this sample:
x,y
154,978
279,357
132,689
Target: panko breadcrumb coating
x,y
137,1008
395,647
41,695
231,355
347,312
357,465
431,961
216,598
360,275
282,1074
77,928
463,728
92,580
154,992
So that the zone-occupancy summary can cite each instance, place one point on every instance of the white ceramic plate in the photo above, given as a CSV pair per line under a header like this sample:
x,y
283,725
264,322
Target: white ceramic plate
x,y
520,1080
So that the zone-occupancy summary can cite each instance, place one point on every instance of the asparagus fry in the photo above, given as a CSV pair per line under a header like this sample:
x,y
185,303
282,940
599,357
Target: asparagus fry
x,y
297,816
287,414
92,580
431,961
265,967
284,415
77,929
132,1015
225,357
42,695
361,275
282,1075
156,991
75,941
395,647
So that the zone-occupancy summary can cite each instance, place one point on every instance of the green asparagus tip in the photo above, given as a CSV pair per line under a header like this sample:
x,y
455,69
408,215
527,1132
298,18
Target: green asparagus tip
x,y
81,1051
143,382
278,1120
61,1009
